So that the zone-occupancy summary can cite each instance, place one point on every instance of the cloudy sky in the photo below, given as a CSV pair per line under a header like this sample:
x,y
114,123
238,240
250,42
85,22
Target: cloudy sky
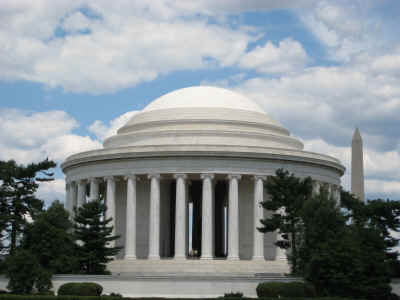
x,y
72,72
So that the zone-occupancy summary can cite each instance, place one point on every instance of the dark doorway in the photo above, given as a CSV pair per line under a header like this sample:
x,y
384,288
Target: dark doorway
x,y
221,192
172,197
195,192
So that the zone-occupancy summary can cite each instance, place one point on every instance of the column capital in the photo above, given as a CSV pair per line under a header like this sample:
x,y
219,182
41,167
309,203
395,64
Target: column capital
x,y
234,176
82,181
262,177
154,175
180,175
94,179
207,175
107,178
131,176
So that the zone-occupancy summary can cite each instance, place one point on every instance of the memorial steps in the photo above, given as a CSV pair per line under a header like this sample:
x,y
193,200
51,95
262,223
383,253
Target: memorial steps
x,y
190,267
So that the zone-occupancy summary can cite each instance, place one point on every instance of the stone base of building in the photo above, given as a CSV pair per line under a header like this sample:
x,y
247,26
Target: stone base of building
x,y
213,267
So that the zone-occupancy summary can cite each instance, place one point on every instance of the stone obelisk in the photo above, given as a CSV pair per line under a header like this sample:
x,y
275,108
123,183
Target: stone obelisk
x,y
357,166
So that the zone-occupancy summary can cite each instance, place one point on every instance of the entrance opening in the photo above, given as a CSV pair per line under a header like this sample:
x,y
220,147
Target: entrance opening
x,y
220,228
195,197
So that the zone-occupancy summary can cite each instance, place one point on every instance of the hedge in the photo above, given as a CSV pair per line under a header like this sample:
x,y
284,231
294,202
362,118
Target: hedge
x,y
80,289
286,289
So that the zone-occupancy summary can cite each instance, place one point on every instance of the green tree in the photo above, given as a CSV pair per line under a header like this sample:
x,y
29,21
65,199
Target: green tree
x,y
94,235
287,195
381,215
17,195
25,273
343,250
339,257
51,240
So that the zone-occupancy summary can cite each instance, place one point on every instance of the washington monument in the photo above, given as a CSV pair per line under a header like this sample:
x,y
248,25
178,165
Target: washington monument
x,y
357,167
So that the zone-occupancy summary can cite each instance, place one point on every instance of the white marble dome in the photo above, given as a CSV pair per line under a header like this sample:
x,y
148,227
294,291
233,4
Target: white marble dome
x,y
203,116
204,96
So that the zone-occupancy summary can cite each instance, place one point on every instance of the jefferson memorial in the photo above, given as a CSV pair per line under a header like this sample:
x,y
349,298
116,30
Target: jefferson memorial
x,y
183,180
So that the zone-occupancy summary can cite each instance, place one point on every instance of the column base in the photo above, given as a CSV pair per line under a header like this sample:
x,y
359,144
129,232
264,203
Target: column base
x,y
180,257
130,257
258,258
154,257
233,258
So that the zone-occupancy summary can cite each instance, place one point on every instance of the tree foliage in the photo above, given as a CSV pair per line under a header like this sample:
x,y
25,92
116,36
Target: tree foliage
x,y
344,250
93,233
287,195
381,215
339,257
25,273
51,239
17,196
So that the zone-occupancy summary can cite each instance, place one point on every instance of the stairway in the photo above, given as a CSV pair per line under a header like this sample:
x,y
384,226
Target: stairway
x,y
198,268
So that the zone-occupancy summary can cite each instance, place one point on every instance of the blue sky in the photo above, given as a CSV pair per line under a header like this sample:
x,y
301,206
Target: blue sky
x,y
72,72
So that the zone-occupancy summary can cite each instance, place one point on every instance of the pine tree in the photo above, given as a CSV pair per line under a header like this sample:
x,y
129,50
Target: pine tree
x,y
94,237
287,196
342,257
50,239
17,195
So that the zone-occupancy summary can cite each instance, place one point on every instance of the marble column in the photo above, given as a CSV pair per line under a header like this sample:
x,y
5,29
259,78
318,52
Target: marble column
x,y
130,244
154,224
94,189
180,217
258,237
336,194
316,186
233,217
74,197
68,193
110,202
81,193
207,216
70,198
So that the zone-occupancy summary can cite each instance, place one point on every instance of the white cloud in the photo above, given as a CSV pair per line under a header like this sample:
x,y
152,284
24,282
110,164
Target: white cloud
x,y
27,129
333,100
76,22
341,27
389,63
103,131
51,190
98,46
391,189
287,57
237,6
60,148
122,46
30,137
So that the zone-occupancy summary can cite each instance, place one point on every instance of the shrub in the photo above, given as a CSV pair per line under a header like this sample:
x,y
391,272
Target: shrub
x,y
80,289
24,272
233,295
285,289
116,295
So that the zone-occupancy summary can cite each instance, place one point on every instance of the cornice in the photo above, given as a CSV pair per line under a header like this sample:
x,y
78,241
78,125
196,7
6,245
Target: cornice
x,y
168,151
